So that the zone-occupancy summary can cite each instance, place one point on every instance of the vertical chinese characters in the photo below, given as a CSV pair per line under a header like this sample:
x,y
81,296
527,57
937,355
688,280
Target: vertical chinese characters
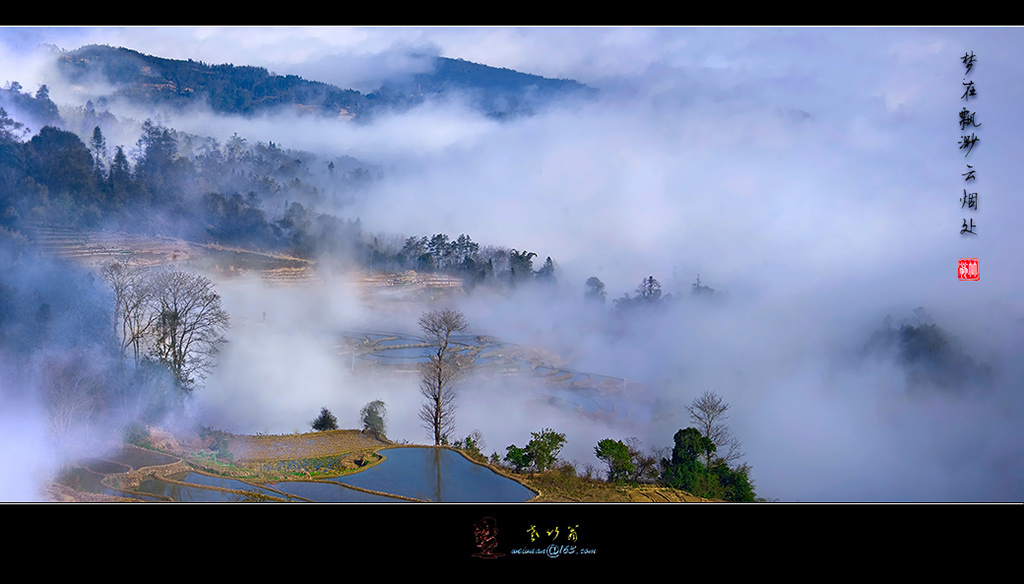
x,y
967,142
968,268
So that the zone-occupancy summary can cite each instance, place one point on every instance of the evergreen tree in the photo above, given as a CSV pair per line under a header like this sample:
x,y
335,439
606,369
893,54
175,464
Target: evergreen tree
x,y
119,180
98,149
595,290
649,291
10,130
546,274
521,266
325,421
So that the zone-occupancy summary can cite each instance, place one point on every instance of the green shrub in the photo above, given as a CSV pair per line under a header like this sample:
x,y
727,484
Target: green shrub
x,y
517,457
374,415
616,455
544,448
137,434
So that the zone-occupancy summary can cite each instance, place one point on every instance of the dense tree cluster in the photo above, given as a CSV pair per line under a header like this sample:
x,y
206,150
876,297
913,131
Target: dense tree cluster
x,y
627,461
539,454
37,108
463,258
687,471
703,457
648,295
439,253
930,356
167,181
693,464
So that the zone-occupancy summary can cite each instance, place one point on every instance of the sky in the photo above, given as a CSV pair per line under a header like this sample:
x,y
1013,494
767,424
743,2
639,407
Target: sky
x,y
813,176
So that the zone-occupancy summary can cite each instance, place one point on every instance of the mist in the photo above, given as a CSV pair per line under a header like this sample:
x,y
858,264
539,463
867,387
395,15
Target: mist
x,y
810,176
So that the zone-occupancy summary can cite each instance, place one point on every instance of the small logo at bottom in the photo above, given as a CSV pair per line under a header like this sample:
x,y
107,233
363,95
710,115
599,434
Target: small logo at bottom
x,y
969,269
486,534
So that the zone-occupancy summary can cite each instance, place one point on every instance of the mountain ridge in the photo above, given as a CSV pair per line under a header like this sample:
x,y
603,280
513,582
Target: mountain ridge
x,y
249,90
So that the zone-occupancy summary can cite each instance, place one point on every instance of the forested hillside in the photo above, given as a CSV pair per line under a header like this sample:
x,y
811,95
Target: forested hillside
x,y
247,90
499,92
255,195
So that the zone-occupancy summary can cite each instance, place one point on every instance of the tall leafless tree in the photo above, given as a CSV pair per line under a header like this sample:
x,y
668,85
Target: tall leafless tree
x,y
190,325
708,412
134,317
436,376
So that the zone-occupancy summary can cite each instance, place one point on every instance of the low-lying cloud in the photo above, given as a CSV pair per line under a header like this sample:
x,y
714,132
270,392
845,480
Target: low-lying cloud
x,y
811,176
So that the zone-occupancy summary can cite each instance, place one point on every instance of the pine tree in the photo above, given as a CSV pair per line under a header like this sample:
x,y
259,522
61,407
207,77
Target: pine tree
x,y
325,421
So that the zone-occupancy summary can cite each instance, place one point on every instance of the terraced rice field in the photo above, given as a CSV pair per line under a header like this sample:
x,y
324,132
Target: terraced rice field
x,y
588,394
134,473
93,248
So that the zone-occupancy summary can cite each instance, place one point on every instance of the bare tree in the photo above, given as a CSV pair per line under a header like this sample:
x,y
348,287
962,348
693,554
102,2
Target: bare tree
x,y
645,466
173,316
190,325
709,413
438,411
134,318
71,389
